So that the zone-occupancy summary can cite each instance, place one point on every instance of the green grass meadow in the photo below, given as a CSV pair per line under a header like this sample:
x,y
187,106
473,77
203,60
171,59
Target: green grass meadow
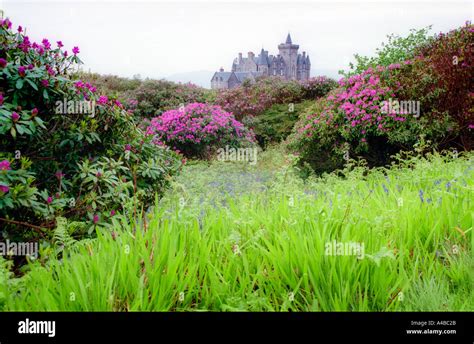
x,y
235,237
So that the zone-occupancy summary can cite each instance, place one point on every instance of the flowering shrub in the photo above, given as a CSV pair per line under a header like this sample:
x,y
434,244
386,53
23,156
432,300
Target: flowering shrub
x,y
149,98
316,87
254,99
197,128
55,158
356,118
442,79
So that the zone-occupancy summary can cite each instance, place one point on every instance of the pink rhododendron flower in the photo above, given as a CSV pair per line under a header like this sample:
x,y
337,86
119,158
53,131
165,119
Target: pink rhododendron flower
x,y
4,188
5,165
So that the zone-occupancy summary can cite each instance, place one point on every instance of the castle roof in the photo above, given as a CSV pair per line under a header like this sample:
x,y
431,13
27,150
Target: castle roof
x,y
224,75
288,39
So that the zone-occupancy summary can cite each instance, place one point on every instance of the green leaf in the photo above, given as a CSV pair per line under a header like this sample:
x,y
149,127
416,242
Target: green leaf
x,y
45,94
19,128
32,84
19,84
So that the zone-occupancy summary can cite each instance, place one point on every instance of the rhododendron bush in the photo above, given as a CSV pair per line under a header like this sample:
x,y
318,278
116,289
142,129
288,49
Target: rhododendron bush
x,y
149,98
363,117
253,99
197,129
65,150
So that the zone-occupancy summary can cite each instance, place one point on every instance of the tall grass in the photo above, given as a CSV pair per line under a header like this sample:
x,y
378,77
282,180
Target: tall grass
x,y
209,246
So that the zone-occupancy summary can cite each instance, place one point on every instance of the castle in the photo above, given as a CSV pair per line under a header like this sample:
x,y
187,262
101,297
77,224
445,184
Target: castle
x,y
287,64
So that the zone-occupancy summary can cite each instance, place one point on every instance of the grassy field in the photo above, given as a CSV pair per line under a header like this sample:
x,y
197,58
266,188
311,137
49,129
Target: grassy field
x,y
235,237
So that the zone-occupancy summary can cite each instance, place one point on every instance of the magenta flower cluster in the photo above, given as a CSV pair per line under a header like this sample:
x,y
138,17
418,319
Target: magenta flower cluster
x,y
357,105
198,124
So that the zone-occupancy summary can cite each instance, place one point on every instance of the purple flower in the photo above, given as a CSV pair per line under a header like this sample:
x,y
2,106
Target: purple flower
x,y
49,200
1,98
60,44
46,44
34,112
5,165
112,212
59,175
448,186
98,174
95,218
3,63
15,116
4,188
20,29
128,147
30,66
21,71
102,100
45,82
75,50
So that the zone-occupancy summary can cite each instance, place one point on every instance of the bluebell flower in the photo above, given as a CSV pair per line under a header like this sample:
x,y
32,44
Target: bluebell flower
x,y
420,193
448,186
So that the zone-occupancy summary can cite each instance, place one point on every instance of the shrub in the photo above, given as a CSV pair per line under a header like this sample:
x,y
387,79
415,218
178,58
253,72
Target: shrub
x,y
59,161
276,123
253,99
355,119
197,129
317,87
442,79
149,98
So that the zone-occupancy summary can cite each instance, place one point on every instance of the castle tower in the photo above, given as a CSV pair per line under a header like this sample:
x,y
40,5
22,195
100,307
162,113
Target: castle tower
x,y
289,53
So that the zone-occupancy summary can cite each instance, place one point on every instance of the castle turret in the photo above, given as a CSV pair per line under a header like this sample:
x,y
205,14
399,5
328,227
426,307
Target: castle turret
x,y
289,53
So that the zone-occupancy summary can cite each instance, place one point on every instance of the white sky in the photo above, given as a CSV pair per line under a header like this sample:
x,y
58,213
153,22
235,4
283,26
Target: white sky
x,y
157,39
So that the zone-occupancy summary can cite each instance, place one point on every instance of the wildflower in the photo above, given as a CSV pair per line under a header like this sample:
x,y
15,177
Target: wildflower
x,y
46,44
60,44
15,117
448,186
102,100
75,50
20,29
59,175
420,193
22,71
5,165
385,188
4,188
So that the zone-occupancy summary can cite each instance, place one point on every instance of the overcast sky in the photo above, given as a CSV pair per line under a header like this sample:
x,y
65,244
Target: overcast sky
x,y
157,39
